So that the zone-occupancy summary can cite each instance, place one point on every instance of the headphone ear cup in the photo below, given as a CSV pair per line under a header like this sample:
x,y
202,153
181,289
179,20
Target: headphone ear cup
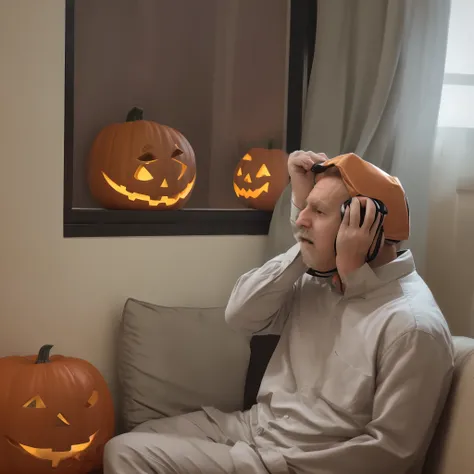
x,y
362,210
380,207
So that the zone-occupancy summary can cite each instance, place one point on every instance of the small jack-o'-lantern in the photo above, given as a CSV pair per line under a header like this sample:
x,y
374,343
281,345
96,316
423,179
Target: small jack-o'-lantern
x,y
56,414
260,177
140,164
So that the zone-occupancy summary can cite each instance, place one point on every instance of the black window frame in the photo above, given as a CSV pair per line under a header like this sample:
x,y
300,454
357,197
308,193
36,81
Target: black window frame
x,y
127,223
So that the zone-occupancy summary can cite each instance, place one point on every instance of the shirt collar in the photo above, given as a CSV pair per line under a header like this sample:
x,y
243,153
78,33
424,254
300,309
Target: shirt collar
x,y
366,279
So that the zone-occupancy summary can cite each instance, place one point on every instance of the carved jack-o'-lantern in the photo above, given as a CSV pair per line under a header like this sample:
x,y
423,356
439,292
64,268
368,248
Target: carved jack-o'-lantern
x,y
141,164
260,177
56,414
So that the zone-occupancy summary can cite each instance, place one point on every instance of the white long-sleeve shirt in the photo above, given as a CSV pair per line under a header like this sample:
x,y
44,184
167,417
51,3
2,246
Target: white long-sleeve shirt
x,y
358,380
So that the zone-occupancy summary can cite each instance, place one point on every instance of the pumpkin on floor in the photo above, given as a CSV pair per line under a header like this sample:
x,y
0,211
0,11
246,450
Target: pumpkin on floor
x,y
260,177
141,164
56,414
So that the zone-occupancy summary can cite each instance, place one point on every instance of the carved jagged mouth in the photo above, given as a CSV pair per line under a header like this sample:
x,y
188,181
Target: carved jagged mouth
x,y
166,200
55,456
249,193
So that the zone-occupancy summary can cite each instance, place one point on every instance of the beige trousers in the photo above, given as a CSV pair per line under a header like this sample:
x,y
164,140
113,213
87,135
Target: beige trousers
x,y
187,444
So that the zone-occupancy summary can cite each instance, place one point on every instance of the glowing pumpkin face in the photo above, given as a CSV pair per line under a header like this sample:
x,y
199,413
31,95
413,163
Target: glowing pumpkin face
x,y
260,178
141,165
56,415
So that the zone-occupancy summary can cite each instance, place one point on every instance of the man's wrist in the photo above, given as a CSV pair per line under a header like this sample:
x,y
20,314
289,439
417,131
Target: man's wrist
x,y
298,201
346,268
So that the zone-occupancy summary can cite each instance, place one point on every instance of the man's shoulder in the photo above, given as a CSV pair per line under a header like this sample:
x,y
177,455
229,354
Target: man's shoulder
x,y
412,309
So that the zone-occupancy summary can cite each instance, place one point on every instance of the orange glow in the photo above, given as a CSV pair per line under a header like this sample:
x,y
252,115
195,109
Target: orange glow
x,y
263,171
61,417
57,456
183,168
166,200
94,398
35,402
249,193
142,174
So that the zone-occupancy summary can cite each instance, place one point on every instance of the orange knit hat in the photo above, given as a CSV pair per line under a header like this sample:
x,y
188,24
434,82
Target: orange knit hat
x,y
365,179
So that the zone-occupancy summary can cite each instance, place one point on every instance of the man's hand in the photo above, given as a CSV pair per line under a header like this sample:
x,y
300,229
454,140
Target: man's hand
x,y
302,179
354,241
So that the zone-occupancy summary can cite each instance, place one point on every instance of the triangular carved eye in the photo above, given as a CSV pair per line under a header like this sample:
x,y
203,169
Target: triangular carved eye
x,y
183,170
35,402
239,173
93,399
263,171
142,174
177,152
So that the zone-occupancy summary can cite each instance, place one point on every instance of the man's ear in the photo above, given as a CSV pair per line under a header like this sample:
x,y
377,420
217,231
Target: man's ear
x,y
396,245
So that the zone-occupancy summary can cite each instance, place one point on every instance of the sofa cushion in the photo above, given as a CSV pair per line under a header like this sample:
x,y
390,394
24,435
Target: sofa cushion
x,y
451,450
173,360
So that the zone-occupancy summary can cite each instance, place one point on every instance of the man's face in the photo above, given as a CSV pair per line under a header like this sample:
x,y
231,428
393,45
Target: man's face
x,y
319,222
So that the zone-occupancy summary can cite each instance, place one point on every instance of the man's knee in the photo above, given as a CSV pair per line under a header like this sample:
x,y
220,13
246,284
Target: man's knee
x,y
127,451
150,426
133,452
146,453
117,452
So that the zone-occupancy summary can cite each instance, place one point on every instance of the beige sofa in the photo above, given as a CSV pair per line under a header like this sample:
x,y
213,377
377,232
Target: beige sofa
x,y
452,449
175,360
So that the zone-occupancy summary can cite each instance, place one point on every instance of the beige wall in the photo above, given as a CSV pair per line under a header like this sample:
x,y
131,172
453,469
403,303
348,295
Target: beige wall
x,y
69,292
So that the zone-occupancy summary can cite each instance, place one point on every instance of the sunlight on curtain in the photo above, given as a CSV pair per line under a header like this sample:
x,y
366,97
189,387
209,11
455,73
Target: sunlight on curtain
x,y
450,265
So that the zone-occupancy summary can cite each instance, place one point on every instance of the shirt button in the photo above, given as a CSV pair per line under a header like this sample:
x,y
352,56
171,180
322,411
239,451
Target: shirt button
x,y
286,417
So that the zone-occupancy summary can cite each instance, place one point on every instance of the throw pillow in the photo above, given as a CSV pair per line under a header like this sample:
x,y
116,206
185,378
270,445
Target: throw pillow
x,y
174,360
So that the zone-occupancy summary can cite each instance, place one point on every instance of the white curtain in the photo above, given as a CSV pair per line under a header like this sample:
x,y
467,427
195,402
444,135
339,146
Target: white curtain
x,y
375,90
450,249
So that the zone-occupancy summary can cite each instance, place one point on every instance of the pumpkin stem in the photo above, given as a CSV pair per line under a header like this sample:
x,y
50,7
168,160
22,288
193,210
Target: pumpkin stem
x,y
43,354
135,114
270,144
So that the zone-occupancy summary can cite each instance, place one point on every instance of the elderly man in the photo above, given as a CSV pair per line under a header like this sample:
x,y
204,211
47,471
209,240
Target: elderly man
x,y
364,361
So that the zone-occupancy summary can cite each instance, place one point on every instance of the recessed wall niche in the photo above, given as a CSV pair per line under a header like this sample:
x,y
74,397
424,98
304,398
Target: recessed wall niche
x,y
230,76
214,70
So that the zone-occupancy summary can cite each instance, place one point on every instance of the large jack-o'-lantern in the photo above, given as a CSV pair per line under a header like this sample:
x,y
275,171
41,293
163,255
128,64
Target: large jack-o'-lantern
x,y
56,414
140,164
260,177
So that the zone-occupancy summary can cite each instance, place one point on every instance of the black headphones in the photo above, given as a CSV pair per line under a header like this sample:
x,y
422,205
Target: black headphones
x,y
380,208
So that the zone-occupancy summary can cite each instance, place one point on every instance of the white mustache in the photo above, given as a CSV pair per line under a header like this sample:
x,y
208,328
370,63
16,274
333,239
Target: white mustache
x,y
303,235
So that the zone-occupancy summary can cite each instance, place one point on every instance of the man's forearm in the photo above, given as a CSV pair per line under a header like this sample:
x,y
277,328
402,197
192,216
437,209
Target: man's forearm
x,y
299,196
262,298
